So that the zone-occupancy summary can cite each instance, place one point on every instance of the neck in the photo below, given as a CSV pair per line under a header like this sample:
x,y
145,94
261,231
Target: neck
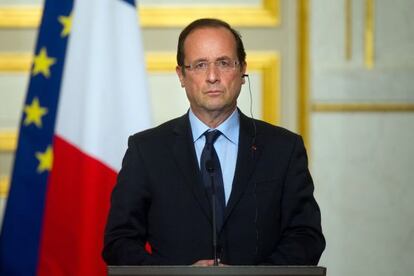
x,y
213,118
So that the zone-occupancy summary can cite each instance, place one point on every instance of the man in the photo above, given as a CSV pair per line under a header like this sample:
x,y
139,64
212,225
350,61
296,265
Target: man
x,y
265,209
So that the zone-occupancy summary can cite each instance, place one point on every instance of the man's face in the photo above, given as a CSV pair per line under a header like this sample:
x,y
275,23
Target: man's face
x,y
213,89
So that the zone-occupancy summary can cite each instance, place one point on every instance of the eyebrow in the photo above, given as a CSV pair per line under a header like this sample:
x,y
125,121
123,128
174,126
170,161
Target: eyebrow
x,y
223,57
200,59
205,59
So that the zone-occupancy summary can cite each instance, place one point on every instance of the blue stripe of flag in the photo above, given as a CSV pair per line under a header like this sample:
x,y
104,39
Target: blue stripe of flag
x,y
21,230
132,2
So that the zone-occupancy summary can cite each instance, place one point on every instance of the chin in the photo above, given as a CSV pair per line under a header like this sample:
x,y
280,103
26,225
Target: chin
x,y
218,107
212,105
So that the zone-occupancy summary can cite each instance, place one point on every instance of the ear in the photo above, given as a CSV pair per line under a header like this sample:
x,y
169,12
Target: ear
x,y
243,72
180,75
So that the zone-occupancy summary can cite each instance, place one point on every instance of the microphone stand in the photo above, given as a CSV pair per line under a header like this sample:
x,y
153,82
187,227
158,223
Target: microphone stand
x,y
210,170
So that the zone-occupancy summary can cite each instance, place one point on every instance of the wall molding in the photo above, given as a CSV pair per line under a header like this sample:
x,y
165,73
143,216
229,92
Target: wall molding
x,y
20,16
15,62
362,107
266,14
4,186
369,34
8,140
268,64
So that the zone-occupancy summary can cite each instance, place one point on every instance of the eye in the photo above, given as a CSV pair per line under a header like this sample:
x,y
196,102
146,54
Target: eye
x,y
224,63
201,65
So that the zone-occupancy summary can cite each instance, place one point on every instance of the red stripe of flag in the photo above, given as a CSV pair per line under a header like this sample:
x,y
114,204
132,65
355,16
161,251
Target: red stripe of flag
x,y
77,203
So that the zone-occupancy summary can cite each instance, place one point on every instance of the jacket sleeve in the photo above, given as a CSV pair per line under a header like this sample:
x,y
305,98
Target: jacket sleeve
x,y
302,241
125,233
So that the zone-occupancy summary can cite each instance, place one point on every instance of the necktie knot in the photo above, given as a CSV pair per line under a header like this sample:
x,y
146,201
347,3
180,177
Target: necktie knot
x,y
211,136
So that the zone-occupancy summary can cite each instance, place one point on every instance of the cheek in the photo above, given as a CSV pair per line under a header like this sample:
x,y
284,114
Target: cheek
x,y
192,84
193,91
235,86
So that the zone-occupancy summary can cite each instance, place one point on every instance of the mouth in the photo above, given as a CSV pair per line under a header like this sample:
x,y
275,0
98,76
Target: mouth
x,y
213,92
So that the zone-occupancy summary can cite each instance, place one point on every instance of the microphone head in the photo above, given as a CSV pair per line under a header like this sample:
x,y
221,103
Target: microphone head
x,y
210,166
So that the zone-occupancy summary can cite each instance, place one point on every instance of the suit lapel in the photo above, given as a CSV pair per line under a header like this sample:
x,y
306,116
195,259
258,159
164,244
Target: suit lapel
x,y
186,158
247,156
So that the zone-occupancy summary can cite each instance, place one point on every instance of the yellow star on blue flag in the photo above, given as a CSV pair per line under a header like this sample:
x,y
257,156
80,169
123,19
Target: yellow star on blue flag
x,y
42,63
66,22
45,160
34,113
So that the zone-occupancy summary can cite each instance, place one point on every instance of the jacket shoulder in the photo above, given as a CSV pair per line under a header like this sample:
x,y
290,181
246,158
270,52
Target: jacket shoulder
x,y
162,131
272,131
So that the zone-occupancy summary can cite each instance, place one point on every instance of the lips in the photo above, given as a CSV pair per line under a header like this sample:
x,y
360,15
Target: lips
x,y
213,92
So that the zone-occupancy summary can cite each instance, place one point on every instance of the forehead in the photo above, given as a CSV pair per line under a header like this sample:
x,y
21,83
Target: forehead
x,y
210,43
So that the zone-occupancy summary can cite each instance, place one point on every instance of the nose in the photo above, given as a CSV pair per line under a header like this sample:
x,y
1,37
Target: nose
x,y
213,74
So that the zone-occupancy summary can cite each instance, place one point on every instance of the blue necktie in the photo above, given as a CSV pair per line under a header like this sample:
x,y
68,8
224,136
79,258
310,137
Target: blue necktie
x,y
209,153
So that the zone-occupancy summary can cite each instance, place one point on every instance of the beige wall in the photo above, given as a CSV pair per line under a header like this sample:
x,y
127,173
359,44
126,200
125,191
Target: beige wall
x,y
362,133
360,121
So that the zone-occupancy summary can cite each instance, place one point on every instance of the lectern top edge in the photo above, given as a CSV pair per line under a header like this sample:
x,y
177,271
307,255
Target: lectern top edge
x,y
224,271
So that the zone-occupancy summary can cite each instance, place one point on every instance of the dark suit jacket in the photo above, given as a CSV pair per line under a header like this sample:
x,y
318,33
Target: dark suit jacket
x,y
271,216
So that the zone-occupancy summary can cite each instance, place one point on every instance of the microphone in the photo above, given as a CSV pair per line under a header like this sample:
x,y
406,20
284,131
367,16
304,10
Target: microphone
x,y
245,75
211,169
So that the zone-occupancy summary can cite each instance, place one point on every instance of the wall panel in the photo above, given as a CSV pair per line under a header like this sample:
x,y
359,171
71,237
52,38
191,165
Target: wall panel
x,y
362,128
362,167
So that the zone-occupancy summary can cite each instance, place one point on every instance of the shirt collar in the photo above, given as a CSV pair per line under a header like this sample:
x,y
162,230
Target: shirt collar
x,y
229,128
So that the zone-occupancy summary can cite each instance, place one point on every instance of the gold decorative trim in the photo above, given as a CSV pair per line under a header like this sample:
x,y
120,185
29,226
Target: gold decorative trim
x,y
267,14
15,62
303,69
269,66
4,186
348,29
369,33
161,62
8,140
21,16
362,107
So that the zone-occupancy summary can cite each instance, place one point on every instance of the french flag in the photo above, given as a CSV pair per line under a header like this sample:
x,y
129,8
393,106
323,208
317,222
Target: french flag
x,y
87,94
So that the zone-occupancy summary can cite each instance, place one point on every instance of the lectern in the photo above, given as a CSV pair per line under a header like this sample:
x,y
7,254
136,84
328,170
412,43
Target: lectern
x,y
214,270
